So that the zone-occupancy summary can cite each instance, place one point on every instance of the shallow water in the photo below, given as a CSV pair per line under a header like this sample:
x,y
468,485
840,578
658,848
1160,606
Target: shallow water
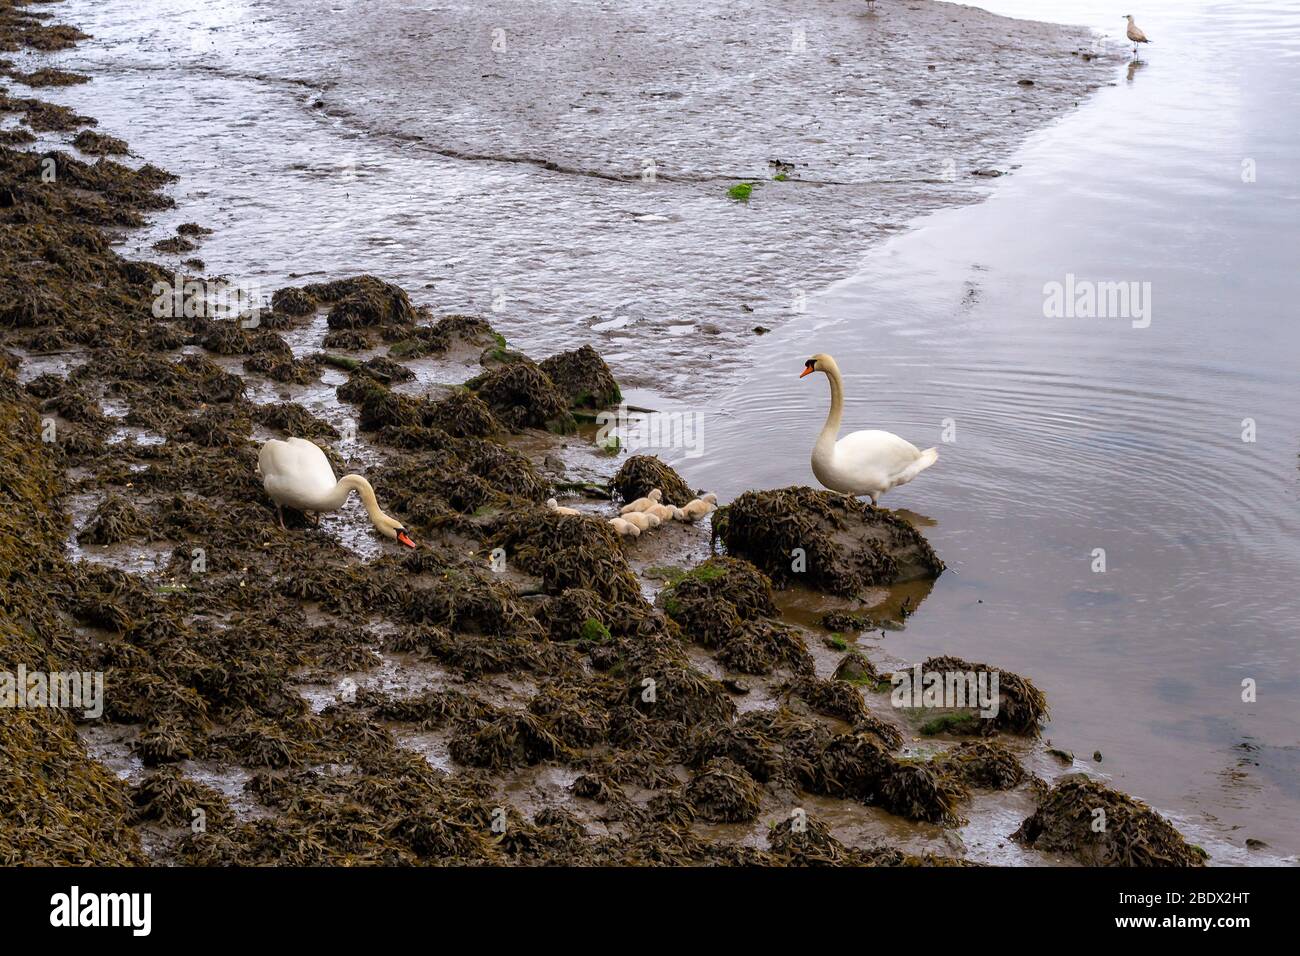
x,y
580,197
1073,434
1070,434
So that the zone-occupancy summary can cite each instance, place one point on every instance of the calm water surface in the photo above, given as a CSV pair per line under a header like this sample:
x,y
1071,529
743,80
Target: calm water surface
x,y
1073,434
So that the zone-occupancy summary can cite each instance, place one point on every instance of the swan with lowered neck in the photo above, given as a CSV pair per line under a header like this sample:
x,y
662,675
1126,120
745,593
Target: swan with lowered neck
x,y
860,463
297,473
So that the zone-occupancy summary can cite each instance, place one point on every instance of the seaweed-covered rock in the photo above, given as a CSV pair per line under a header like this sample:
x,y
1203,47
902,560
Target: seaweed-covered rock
x,y
1103,827
802,840
569,551
763,646
469,605
362,301
512,740
349,340
824,540
854,668
522,396
116,519
857,765
641,474
845,622
583,378
889,736
726,604
98,144
724,793
576,614
718,583
464,415
575,720
981,763
834,698
168,798
293,419
449,331
592,786
293,301
1022,707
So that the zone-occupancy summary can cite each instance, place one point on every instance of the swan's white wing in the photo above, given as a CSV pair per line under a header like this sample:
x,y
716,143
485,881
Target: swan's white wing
x,y
295,472
875,453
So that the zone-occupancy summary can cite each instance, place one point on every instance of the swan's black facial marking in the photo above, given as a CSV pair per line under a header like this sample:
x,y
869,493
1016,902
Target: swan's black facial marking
x,y
810,365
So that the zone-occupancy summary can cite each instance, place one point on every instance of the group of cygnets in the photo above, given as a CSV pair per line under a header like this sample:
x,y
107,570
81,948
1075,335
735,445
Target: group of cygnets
x,y
649,512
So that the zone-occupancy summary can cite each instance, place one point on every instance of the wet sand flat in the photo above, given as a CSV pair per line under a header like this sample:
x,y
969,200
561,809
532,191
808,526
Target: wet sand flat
x,y
574,180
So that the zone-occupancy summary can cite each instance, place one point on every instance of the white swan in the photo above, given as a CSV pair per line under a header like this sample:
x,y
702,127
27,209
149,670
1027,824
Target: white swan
x,y
860,463
559,509
297,473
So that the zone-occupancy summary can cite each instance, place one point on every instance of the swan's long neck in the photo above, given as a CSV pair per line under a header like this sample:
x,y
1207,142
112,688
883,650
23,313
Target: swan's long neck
x,y
826,441
350,483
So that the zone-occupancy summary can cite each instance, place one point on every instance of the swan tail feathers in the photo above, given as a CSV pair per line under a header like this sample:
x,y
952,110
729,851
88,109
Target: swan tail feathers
x,y
926,459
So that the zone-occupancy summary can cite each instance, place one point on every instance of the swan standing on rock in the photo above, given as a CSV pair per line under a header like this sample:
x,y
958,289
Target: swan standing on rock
x,y
297,473
860,463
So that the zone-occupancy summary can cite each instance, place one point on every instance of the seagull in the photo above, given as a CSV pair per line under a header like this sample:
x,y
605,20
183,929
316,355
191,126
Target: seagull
x,y
1135,33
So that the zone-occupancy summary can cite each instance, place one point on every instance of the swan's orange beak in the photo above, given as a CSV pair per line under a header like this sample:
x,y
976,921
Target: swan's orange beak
x,y
403,537
807,371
